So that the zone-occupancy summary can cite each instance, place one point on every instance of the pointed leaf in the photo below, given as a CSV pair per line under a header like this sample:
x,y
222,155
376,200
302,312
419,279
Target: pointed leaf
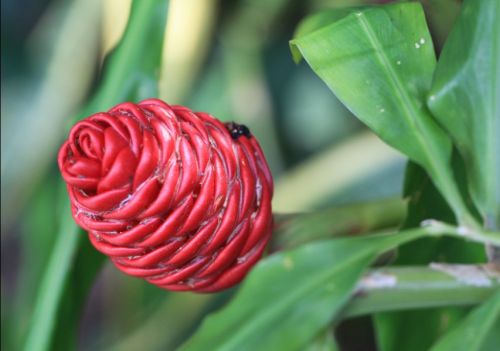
x,y
307,287
465,99
379,62
318,21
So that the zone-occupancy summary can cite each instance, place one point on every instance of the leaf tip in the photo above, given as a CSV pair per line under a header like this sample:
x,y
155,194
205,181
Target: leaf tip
x,y
296,54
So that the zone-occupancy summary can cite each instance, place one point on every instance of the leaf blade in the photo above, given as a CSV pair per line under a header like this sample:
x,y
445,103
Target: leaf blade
x,y
267,309
379,62
51,290
465,99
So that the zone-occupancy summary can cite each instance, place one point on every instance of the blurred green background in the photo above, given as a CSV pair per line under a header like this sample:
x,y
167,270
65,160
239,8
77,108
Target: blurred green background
x,y
229,58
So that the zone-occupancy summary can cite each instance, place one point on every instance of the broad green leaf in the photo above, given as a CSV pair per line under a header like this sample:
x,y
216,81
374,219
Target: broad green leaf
x,y
307,286
130,71
379,62
472,332
465,99
318,21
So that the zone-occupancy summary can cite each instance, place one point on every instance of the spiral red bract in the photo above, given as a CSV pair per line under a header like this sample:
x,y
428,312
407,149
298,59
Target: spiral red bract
x,y
171,196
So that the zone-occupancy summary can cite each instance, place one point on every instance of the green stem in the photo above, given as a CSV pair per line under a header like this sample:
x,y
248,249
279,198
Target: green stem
x,y
478,235
53,283
492,251
399,288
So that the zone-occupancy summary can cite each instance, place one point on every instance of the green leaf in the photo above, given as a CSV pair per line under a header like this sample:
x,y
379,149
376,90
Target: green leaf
x,y
307,286
465,99
318,21
54,280
379,62
471,333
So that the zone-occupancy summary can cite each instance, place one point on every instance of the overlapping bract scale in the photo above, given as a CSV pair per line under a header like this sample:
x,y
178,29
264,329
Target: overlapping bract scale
x,y
171,196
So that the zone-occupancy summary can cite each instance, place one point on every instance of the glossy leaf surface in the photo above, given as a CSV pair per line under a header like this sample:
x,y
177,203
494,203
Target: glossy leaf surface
x,y
465,99
379,62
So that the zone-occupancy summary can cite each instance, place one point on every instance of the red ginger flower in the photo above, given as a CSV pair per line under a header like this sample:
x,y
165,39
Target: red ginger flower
x,y
171,196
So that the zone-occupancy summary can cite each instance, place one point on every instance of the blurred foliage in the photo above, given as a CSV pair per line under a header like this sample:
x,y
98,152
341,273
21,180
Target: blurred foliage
x,y
479,331
228,57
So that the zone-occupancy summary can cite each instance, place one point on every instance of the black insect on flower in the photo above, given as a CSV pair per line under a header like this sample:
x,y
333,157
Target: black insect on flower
x,y
236,130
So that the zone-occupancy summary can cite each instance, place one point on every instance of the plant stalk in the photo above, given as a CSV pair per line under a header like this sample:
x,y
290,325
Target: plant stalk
x,y
477,235
492,251
438,285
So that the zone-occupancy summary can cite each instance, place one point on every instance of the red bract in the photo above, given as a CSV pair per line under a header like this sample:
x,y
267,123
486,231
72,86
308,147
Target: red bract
x,y
172,196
